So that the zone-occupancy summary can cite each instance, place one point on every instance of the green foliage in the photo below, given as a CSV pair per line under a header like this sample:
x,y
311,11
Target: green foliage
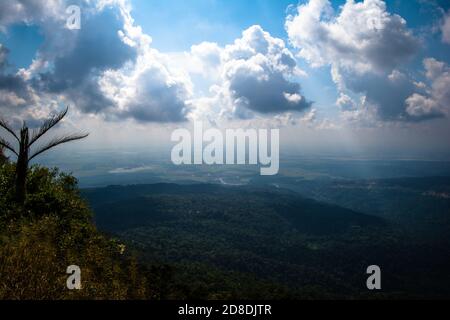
x,y
23,140
57,231
209,242
253,243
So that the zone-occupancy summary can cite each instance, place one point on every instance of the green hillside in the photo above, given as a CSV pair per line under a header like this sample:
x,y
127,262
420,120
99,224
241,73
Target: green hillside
x,y
215,235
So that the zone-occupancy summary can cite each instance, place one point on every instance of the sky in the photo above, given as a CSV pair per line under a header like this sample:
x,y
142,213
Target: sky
x,y
352,77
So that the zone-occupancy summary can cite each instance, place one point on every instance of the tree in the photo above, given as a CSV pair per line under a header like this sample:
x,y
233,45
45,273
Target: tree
x,y
2,155
35,250
25,141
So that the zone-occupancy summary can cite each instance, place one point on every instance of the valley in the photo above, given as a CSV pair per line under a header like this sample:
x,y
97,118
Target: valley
x,y
251,241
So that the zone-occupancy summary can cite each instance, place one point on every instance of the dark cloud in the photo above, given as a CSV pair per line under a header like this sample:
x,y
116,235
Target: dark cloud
x,y
3,57
258,69
14,91
97,48
156,98
366,46
88,97
395,96
388,94
270,94
76,65
13,83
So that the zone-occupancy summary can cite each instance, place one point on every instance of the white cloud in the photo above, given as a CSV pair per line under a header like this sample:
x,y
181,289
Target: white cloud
x,y
15,94
366,47
256,76
8,98
446,28
109,69
437,98
147,91
363,37
345,102
150,88
420,106
206,57
422,101
106,68
30,12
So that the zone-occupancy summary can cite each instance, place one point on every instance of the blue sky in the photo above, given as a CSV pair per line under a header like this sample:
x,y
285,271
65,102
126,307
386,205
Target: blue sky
x,y
222,21
23,41
207,20
310,66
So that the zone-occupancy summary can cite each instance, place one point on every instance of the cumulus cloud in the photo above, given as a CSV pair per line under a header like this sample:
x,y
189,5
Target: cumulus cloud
x,y
345,102
148,91
386,93
439,74
150,88
68,63
421,106
108,68
256,70
436,101
366,48
257,74
97,47
363,37
30,12
205,59
14,92
89,67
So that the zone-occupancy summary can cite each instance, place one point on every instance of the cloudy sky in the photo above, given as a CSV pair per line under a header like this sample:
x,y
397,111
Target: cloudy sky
x,y
361,77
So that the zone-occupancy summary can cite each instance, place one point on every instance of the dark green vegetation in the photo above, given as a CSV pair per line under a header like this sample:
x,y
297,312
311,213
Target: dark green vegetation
x,y
25,140
52,230
209,241
420,205
253,242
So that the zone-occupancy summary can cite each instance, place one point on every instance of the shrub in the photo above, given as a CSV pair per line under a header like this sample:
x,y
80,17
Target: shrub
x,y
53,230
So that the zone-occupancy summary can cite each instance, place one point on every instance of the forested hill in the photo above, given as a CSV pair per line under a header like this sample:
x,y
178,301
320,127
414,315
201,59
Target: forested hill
x,y
262,242
240,242
119,208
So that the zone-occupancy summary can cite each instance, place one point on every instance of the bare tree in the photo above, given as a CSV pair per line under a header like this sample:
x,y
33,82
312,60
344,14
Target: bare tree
x,y
25,141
